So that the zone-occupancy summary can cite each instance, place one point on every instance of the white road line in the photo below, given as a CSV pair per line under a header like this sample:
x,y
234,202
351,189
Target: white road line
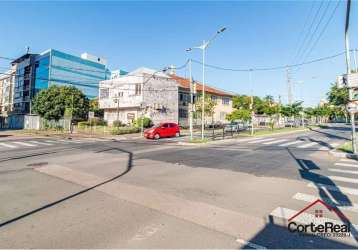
x,y
24,144
51,141
262,140
343,205
305,218
41,143
307,145
7,145
290,143
273,142
343,179
346,165
343,171
349,160
340,189
323,148
250,244
335,144
249,139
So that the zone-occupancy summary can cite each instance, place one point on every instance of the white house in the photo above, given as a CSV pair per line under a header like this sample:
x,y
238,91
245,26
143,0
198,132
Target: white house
x,y
143,92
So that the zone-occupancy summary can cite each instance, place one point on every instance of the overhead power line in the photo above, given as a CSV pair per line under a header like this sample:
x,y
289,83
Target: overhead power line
x,y
271,68
304,54
323,30
308,32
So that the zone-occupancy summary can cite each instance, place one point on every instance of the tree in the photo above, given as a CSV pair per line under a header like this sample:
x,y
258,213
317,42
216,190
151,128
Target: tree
x,y
239,114
94,107
52,103
338,96
292,110
209,106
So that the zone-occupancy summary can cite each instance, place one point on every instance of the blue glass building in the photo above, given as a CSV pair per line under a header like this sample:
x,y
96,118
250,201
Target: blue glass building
x,y
52,67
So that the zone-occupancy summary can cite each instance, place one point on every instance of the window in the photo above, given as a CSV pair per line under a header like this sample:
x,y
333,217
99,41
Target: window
x,y
214,98
104,93
181,97
183,113
138,89
226,101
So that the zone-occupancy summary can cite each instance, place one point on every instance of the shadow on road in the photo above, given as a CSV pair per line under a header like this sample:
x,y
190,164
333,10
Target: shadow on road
x,y
331,135
328,191
128,168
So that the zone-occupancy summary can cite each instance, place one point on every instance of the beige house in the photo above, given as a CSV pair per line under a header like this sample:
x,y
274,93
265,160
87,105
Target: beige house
x,y
222,98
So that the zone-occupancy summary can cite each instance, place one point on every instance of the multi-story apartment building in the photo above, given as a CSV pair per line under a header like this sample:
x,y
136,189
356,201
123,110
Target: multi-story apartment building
x,y
143,92
52,67
7,80
158,96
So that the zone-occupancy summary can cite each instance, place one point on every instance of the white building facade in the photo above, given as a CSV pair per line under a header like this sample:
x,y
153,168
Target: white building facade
x,y
141,93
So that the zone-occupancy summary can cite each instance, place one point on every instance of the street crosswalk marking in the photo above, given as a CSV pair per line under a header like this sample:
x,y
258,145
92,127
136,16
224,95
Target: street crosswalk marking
x,y
248,139
345,190
343,205
307,145
273,142
41,143
290,143
7,145
343,171
349,160
24,144
346,165
262,140
343,179
305,218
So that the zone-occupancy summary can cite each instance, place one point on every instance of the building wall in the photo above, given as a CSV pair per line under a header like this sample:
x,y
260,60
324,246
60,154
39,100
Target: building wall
x,y
222,108
126,115
75,71
7,88
158,98
161,100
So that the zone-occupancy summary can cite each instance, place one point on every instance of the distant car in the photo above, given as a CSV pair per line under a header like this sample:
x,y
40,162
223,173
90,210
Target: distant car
x,y
232,127
167,129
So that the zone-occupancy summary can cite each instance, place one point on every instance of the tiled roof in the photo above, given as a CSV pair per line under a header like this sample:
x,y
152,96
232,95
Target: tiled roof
x,y
184,83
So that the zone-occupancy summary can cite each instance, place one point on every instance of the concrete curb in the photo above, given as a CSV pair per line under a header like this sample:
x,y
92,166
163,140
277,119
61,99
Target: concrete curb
x,y
341,154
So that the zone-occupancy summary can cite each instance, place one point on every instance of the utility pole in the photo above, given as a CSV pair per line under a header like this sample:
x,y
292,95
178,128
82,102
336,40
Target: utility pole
x,y
346,38
355,60
205,45
191,102
289,87
252,103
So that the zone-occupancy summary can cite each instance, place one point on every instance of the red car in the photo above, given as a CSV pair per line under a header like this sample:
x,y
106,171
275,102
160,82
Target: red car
x,y
166,129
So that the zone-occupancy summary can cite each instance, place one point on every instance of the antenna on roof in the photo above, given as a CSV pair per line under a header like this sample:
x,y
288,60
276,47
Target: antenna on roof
x,y
27,49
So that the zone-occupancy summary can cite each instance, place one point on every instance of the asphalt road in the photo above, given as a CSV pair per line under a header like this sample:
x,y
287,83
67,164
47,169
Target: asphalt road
x,y
159,194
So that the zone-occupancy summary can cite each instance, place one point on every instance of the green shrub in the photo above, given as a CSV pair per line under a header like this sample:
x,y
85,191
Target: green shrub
x,y
147,122
118,123
124,130
92,122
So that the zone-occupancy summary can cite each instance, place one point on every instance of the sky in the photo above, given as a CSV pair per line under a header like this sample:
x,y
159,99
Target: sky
x,y
155,34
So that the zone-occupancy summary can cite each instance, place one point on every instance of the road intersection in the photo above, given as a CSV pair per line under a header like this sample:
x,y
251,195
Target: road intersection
x,y
136,193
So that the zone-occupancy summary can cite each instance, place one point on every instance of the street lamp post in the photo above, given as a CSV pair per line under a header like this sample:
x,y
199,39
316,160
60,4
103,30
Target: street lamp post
x,y
203,47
